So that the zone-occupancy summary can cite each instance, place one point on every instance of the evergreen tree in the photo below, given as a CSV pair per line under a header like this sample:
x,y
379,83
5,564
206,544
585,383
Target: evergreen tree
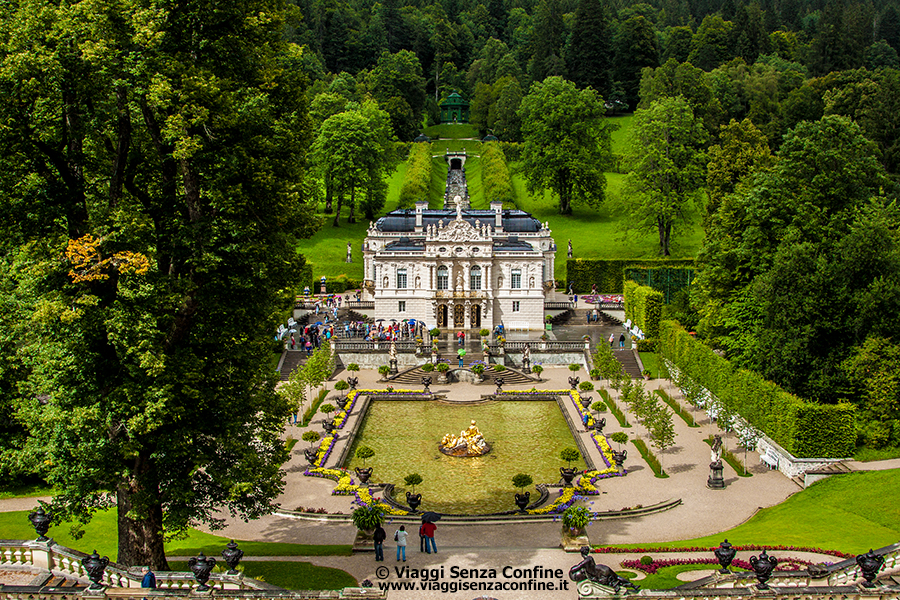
x,y
589,53
549,37
889,27
635,50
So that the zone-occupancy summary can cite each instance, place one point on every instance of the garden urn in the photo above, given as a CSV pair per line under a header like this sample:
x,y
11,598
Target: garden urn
x,y
353,381
522,500
232,555
201,566
342,401
328,426
41,523
763,566
567,474
94,565
573,382
499,383
414,500
586,401
364,474
599,424
869,565
310,456
619,457
725,554
426,383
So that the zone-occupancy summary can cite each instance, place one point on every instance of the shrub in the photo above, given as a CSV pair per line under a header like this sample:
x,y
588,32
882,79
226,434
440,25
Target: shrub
x,y
599,406
576,517
484,332
367,518
619,437
609,275
586,386
648,345
499,368
594,373
327,408
353,367
443,367
478,368
289,443
412,480
341,385
365,453
495,178
643,305
435,332
574,367
428,367
646,560
569,455
384,370
310,436
522,480
537,369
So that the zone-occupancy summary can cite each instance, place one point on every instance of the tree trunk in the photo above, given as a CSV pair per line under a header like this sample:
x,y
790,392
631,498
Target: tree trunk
x,y
140,540
329,192
337,213
350,218
665,232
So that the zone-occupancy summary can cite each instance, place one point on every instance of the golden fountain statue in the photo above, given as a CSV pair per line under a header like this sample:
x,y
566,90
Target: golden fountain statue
x,y
469,442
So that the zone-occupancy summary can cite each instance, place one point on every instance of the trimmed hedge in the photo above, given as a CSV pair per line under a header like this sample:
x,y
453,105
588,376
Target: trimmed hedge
x,y
643,305
805,429
495,174
417,180
512,151
668,280
609,275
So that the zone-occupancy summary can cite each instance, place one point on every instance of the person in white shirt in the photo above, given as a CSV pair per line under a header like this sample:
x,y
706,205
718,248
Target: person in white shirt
x,y
400,536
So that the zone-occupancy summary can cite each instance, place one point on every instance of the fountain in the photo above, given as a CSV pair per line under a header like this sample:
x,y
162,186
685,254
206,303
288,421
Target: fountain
x,y
468,443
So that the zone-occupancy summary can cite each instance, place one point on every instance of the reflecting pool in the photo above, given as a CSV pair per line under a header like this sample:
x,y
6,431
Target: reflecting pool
x,y
526,437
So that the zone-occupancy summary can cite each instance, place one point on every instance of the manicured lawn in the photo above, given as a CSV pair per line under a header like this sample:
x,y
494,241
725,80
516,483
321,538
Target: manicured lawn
x,y
101,534
291,575
667,577
850,513
650,363
449,130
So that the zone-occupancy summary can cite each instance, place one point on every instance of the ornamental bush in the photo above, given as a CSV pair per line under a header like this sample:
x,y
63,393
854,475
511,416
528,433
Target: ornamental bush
x,y
383,370
522,480
576,517
367,518
569,455
417,180
495,178
365,453
574,367
428,367
804,428
609,275
643,305
586,386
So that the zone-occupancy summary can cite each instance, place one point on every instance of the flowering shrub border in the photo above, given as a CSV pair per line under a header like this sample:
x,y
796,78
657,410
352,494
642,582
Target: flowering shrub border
x,y
739,548
784,564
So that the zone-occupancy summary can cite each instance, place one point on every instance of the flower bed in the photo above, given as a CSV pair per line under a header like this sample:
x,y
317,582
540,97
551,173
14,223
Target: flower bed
x,y
739,548
611,469
784,564
567,497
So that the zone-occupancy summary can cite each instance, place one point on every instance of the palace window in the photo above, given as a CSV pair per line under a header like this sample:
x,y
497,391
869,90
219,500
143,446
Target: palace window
x,y
516,306
401,306
475,278
443,278
515,282
401,279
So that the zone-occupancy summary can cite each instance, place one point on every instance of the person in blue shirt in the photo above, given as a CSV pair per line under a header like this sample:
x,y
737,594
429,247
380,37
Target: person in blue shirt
x,y
149,580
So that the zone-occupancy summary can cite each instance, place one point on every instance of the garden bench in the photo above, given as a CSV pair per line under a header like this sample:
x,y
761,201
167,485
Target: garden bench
x,y
770,458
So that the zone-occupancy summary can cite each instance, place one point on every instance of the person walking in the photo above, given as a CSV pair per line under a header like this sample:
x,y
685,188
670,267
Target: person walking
x,y
149,578
612,339
378,538
428,529
400,536
621,340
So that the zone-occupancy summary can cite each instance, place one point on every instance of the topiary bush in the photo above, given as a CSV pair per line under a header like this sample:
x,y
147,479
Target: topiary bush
x,y
383,370
367,518
412,480
586,386
576,517
574,367
428,367
569,455
522,480
364,453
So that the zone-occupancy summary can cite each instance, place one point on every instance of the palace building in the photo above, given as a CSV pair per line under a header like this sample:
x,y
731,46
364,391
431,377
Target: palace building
x,y
460,268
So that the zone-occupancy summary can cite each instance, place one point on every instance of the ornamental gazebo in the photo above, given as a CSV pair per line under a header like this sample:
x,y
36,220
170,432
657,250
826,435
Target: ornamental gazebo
x,y
455,109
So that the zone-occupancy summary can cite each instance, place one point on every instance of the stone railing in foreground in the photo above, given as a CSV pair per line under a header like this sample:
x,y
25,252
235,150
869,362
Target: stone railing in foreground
x,y
122,582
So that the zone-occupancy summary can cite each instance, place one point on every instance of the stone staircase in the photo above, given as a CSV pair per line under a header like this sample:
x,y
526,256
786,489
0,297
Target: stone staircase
x,y
413,377
292,360
628,362
59,581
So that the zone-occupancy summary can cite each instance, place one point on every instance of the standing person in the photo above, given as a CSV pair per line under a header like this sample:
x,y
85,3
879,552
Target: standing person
x,y
293,341
378,538
149,579
612,339
428,529
594,289
422,547
621,340
400,536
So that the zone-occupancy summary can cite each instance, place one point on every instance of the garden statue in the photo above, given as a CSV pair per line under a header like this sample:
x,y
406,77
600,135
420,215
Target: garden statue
x,y
763,566
349,253
588,570
869,565
716,481
569,253
715,453
469,442
41,523
526,358
725,554
393,356
232,555
201,566
94,565
573,382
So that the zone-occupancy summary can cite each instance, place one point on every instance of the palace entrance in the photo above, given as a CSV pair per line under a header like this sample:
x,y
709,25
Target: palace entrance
x,y
475,321
442,316
459,316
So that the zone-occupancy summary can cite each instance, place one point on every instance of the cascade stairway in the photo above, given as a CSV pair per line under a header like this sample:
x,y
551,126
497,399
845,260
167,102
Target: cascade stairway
x,y
628,362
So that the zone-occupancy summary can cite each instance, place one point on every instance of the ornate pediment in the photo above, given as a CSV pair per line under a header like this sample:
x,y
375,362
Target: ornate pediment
x,y
459,230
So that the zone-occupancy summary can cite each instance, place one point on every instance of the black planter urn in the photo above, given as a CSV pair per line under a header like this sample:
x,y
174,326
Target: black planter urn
x,y
619,457
310,456
869,565
328,426
522,500
763,567
567,474
41,523
725,554
201,566
342,401
586,401
573,382
499,382
232,556
414,500
599,424
353,381
426,383
364,474
94,565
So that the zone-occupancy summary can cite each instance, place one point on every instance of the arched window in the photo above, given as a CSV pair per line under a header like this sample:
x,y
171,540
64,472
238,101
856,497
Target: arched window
x,y
401,279
515,281
443,278
475,278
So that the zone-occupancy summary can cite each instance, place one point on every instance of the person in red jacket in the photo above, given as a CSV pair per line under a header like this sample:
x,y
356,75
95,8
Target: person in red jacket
x,y
428,529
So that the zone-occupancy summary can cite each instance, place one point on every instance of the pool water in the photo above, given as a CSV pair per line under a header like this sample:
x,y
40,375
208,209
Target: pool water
x,y
526,437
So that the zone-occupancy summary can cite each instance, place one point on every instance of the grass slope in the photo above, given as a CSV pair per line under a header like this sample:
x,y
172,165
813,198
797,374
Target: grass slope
x,y
850,513
101,534
291,575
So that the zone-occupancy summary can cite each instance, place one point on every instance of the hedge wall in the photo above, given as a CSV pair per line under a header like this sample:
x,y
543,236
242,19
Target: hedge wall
x,y
418,176
803,428
668,280
643,305
609,275
495,174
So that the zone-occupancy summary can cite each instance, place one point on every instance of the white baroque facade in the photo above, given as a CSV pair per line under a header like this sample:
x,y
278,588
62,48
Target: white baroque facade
x,y
460,269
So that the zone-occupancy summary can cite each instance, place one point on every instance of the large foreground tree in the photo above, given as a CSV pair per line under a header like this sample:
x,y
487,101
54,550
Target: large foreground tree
x,y
151,187
567,142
